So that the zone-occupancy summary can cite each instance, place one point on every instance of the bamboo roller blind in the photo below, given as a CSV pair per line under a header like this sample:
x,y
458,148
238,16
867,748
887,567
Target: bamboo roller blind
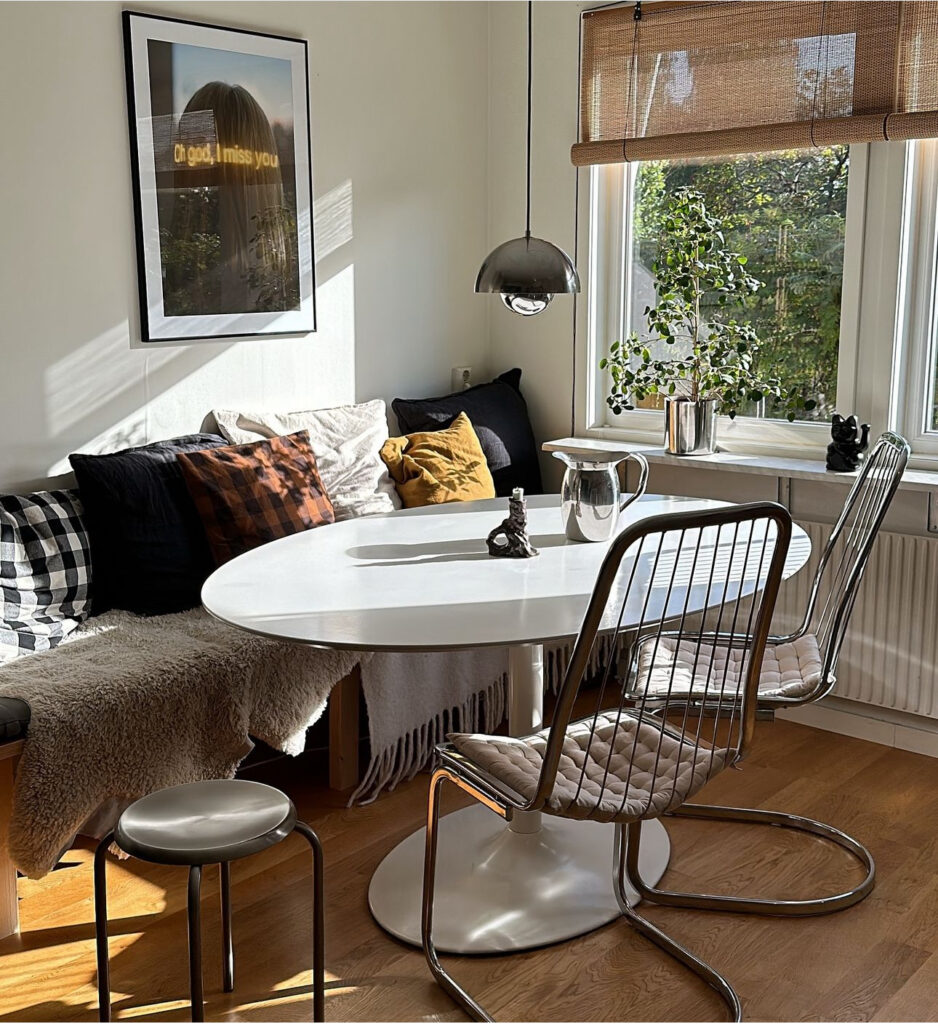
x,y
725,77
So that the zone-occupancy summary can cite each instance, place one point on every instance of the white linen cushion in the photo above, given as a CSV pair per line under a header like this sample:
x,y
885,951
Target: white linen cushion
x,y
345,440
666,770
788,670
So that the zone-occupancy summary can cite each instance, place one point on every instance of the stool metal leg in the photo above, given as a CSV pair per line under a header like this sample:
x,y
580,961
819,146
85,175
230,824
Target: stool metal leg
x,y
100,927
319,942
195,943
227,941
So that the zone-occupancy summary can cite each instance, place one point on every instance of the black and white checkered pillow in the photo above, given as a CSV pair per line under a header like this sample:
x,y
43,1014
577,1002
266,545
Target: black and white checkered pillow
x,y
45,570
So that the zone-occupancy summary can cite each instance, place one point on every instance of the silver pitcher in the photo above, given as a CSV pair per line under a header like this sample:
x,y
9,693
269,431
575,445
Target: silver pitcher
x,y
590,500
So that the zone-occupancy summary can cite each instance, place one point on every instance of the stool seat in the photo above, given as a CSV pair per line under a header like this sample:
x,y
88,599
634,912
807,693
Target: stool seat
x,y
209,822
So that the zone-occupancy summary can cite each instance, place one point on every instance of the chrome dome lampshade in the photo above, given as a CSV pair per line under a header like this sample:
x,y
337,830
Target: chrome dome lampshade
x,y
528,272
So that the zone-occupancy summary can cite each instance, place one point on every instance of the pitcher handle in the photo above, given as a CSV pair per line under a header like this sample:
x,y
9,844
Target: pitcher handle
x,y
642,481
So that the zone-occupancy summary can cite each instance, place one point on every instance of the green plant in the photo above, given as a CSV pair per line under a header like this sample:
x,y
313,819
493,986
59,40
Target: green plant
x,y
701,291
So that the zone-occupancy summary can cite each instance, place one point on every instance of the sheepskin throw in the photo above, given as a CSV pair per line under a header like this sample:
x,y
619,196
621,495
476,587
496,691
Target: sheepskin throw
x,y
128,705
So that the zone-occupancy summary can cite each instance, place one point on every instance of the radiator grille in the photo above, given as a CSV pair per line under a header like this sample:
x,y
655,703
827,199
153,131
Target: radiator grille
x,y
890,654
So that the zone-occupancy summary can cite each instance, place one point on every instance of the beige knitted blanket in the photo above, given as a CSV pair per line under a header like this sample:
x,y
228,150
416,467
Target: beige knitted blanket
x,y
128,705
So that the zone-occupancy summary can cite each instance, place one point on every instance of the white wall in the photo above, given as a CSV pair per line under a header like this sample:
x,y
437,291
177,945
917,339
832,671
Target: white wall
x,y
399,127
541,345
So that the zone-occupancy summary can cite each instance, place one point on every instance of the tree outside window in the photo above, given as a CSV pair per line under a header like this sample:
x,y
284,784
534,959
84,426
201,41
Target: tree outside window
x,y
786,212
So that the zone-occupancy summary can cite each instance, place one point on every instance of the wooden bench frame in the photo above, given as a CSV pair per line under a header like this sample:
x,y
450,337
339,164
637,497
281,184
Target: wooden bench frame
x,y
344,712
9,913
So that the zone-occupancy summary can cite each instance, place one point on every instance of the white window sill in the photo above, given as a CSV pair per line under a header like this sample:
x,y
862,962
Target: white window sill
x,y
738,462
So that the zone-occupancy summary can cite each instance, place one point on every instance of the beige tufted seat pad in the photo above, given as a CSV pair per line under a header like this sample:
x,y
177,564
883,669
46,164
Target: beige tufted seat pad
x,y
788,670
660,779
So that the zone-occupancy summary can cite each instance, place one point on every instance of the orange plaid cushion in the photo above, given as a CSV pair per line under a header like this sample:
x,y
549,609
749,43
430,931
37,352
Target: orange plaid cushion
x,y
248,494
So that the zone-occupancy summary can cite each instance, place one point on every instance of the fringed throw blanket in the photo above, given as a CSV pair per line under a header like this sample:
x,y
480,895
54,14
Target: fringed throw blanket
x,y
129,705
414,700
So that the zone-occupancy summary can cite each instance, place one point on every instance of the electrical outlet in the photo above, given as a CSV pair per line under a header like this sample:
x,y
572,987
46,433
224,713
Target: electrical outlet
x,y
462,378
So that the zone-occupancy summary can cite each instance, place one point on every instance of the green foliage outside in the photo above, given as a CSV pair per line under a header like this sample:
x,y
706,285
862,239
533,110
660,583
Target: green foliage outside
x,y
710,347
786,213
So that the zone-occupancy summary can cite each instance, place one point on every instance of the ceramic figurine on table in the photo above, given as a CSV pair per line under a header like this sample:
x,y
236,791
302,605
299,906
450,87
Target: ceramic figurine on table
x,y
510,539
844,451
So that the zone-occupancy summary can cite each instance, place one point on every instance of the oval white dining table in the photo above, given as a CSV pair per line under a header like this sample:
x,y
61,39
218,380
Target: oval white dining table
x,y
420,580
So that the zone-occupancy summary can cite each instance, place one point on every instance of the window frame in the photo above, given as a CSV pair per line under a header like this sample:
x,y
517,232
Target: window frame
x,y
915,387
873,293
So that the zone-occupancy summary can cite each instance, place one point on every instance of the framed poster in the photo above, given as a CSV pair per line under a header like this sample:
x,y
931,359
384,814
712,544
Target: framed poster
x,y
220,153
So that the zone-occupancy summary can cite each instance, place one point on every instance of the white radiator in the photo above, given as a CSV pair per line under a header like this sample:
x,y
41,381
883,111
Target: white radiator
x,y
890,655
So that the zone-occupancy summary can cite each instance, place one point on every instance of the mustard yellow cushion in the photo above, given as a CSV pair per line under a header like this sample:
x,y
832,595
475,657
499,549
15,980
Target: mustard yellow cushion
x,y
436,466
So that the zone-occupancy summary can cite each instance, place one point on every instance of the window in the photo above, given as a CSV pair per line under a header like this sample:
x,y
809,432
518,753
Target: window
x,y
918,398
787,214
798,217
843,235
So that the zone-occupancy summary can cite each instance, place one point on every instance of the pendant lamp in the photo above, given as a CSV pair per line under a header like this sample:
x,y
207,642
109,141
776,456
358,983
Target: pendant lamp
x,y
527,271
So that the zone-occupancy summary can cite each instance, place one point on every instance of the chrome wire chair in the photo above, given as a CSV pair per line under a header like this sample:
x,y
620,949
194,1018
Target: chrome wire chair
x,y
797,669
623,762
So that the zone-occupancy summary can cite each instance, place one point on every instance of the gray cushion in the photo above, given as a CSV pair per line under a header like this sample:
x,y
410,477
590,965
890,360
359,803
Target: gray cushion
x,y
616,768
14,717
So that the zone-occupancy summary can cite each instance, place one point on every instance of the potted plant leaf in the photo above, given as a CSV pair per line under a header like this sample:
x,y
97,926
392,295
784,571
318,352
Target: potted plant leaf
x,y
705,356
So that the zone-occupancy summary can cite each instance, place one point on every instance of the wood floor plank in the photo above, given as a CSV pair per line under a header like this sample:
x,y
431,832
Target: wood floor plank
x,y
876,961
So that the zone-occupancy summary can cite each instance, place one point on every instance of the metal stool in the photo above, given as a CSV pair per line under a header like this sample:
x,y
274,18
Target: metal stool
x,y
213,822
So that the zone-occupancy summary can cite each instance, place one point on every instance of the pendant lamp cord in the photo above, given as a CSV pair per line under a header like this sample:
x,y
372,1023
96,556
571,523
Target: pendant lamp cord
x,y
823,36
527,229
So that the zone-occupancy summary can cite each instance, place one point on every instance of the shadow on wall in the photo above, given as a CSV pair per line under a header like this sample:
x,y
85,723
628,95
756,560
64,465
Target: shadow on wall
x,y
112,392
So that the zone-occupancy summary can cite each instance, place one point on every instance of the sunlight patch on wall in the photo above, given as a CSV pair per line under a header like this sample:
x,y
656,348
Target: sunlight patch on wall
x,y
127,432
89,377
181,385
272,374
332,220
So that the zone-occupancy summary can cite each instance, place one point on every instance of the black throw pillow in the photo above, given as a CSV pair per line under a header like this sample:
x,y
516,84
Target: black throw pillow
x,y
499,416
148,546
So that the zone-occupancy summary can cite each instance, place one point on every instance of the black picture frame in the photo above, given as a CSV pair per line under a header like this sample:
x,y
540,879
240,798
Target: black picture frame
x,y
222,180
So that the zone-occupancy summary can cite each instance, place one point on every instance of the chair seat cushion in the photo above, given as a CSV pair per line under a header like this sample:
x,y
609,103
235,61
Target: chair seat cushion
x,y
205,822
593,779
788,670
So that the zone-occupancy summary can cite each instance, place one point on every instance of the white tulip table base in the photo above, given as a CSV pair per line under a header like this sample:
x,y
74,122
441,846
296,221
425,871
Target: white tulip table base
x,y
499,890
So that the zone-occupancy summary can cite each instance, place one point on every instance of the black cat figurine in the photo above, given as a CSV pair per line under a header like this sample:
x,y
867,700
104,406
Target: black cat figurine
x,y
843,453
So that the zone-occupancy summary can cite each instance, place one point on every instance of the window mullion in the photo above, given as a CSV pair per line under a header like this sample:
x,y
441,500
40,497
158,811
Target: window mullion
x,y
854,234
880,286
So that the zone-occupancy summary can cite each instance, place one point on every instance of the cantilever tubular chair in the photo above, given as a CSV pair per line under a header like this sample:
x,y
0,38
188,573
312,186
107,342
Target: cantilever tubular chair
x,y
797,669
622,761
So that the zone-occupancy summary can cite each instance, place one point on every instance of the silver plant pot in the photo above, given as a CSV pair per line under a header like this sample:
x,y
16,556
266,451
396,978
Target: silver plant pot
x,y
690,428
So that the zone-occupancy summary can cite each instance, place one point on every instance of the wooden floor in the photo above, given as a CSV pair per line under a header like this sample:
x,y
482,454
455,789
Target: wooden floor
x,y
877,961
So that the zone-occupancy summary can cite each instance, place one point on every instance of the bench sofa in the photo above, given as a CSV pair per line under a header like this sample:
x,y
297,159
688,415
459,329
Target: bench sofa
x,y
52,734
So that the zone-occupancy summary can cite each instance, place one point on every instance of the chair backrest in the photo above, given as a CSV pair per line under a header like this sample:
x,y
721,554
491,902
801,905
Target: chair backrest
x,y
847,551
673,583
